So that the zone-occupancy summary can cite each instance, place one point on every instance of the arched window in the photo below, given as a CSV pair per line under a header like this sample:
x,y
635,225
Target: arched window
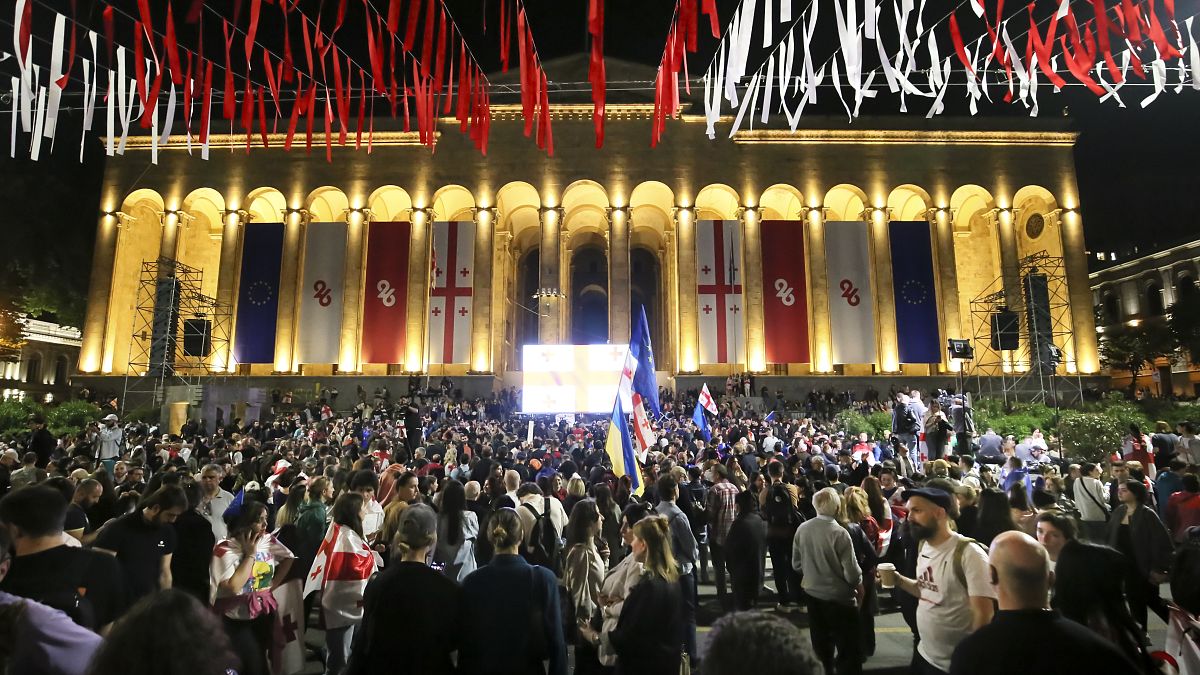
x,y
61,371
33,370
1154,299
1185,285
1112,307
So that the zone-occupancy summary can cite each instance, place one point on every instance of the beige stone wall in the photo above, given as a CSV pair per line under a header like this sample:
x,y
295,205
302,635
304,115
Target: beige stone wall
x,y
826,172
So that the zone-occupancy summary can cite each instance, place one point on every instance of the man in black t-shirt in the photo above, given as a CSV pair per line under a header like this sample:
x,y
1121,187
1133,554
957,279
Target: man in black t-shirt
x,y
143,541
84,584
86,495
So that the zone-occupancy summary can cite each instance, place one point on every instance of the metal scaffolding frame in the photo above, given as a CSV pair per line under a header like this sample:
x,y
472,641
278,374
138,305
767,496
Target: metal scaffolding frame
x,y
169,295
1015,374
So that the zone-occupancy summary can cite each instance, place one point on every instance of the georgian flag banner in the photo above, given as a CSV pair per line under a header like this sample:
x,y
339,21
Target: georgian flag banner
x,y
851,304
719,291
321,295
450,295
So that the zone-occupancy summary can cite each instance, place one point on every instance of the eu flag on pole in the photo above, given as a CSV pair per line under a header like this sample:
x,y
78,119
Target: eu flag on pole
x,y
258,293
644,382
915,292
701,422
620,449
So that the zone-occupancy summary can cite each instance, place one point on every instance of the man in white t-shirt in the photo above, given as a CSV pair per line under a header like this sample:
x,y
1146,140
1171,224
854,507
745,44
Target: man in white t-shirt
x,y
953,584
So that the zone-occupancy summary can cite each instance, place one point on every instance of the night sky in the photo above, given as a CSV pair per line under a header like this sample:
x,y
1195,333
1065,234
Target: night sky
x,y
1137,168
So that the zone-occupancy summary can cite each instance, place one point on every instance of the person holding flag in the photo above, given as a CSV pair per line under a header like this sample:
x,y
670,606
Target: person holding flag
x,y
341,570
704,402
620,450
637,384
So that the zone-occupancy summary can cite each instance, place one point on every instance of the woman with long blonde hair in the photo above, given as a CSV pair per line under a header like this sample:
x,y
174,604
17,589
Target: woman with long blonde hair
x,y
648,638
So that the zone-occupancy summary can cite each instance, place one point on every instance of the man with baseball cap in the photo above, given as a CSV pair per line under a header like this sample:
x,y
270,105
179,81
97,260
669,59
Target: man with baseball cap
x,y
110,442
952,584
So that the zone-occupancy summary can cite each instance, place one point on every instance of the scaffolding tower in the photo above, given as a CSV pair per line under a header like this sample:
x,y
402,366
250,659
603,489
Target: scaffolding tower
x,y
178,331
1036,370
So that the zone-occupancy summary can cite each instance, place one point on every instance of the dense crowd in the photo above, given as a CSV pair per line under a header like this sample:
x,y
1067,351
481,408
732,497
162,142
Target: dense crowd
x,y
427,533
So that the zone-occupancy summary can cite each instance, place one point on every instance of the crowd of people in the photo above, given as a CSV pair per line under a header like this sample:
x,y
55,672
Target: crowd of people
x,y
427,533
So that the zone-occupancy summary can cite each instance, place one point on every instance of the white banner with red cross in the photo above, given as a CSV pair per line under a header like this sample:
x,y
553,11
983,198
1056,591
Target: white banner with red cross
x,y
451,292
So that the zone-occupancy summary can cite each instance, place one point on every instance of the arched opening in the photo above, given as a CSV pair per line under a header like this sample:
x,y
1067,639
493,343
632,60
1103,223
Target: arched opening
x,y
525,322
1154,299
589,295
1185,286
1112,308
61,371
33,370
645,290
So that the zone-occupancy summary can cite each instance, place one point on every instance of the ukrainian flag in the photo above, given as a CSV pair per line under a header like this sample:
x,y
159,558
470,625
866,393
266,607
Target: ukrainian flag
x,y
620,448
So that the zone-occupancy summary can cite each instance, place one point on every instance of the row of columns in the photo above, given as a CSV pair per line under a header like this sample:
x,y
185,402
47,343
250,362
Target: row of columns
x,y
678,270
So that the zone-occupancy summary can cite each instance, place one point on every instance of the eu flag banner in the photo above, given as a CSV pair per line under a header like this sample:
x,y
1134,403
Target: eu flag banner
x,y
258,293
915,292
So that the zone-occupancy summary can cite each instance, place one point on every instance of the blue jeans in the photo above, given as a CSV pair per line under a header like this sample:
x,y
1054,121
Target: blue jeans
x,y
689,594
337,644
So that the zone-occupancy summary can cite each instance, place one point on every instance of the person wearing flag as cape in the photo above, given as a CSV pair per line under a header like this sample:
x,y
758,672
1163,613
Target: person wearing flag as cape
x,y
341,570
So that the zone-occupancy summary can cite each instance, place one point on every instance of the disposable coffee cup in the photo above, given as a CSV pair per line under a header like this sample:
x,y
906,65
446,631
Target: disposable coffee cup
x,y
887,574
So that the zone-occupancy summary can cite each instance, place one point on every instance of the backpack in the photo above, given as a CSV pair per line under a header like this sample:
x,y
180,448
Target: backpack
x,y
73,600
959,549
1185,573
781,514
908,420
544,547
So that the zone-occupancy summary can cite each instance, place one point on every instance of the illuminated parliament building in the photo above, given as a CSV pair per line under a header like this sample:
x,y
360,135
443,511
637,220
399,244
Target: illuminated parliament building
x,y
834,251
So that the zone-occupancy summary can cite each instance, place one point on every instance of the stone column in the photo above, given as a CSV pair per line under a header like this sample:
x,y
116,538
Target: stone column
x,y
684,289
947,280
481,294
418,290
1083,318
752,288
885,294
168,247
620,314
670,299
1010,274
228,272
818,292
95,318
295,221
506,306
354,271
1010,265
549,302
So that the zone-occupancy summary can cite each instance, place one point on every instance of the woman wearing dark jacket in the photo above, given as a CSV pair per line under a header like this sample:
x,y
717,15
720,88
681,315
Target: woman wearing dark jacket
x,y
745,551
1136,531
502,604
410,611
648,638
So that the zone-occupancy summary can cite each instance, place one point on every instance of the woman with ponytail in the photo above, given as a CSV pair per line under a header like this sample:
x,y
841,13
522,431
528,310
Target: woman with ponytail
x,y
511,610
648,638
409,609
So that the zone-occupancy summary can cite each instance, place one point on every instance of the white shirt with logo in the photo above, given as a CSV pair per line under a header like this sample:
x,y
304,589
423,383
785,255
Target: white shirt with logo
x,y
944,612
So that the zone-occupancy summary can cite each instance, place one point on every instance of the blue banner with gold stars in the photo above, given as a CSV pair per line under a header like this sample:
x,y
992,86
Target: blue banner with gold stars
x,y
258,293
915,292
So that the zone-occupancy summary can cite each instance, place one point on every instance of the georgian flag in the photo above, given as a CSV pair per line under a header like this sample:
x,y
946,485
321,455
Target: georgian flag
x,y
451,292
289,598
645,436
719,291
707,401
343,565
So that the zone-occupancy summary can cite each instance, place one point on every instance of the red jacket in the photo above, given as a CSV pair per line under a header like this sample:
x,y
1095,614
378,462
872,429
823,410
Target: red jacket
x,y
1183,511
